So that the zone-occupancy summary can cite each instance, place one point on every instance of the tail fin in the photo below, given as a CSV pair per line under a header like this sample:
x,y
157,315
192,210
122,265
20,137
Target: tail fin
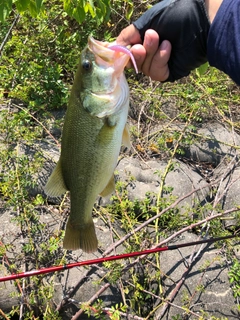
x,y
80,237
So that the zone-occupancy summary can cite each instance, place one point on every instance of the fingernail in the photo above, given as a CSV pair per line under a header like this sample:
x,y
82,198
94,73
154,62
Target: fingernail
x,y
164,45
148,40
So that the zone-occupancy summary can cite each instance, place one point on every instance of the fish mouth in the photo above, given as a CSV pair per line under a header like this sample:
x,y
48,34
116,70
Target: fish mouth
x,y
125,50
105,56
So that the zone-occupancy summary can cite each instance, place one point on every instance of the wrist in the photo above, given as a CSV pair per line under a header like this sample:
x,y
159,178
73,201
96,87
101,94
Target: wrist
x,y
212,7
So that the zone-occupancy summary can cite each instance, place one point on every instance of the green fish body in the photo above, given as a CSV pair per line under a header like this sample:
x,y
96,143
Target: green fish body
x,y
94,129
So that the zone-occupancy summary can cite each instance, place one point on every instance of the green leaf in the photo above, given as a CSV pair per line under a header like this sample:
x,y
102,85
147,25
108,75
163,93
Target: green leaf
x,y
22,5
79,14
129,10
32,6
39,4
90,8
32,9
5,9
101,5
75,9
202,69
79,8
231,280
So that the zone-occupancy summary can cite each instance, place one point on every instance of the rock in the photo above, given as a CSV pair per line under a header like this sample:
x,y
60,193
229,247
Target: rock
x,y
206,290
9,233
216,142
230,187
8,293
68,279
146,177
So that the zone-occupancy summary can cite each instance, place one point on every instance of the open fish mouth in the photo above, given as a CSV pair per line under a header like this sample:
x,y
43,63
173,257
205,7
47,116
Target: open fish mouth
x,y
110,53
118,48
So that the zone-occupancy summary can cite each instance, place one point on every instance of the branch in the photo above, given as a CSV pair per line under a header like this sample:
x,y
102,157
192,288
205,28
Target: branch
x,y
94,297
8,33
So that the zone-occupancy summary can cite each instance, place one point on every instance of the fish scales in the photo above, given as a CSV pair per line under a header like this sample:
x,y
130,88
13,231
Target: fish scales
x,y
94,127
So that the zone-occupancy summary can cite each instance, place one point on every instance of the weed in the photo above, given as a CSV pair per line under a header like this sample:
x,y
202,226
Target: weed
x,y
234,278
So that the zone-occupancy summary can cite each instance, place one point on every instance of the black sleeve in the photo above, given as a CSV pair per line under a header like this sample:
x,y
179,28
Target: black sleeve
x,y
185,24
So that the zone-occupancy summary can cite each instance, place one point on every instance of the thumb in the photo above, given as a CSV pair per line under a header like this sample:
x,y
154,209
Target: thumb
x,y
129,36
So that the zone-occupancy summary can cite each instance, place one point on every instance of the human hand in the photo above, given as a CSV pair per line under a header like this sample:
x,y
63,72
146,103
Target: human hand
x,y
151,58
177,46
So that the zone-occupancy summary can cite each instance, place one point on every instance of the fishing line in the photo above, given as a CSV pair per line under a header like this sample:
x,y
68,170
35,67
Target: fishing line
x,y
110,258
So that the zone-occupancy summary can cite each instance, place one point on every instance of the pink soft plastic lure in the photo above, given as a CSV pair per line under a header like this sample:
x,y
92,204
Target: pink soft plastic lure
x,y
122,49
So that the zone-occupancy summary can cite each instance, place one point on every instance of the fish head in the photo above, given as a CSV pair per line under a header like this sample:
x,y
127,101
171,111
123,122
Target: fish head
x,y
103,88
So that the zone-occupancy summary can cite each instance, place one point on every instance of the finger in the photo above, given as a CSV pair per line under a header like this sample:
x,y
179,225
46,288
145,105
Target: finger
x,y
139,54
129,36
159,69
151,44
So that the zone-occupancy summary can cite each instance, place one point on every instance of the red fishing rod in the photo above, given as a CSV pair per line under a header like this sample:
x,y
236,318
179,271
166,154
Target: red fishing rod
x,y
110,258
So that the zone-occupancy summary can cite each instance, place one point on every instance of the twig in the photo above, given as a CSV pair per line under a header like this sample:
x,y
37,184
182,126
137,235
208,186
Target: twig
x,y
215,140
21,311
8,33
144,105
4,315
167,169
201,278
94,297
75,288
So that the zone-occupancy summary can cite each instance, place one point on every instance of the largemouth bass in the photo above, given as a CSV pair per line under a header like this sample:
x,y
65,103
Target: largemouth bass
x,y
93,131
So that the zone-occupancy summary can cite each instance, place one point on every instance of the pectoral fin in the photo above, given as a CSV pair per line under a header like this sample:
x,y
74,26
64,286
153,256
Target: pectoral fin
x,y
126,137
110,187
55,186
111,121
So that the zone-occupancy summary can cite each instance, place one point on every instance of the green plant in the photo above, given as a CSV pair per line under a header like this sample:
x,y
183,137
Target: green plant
x,y
21,161
100,312
77,9
234,278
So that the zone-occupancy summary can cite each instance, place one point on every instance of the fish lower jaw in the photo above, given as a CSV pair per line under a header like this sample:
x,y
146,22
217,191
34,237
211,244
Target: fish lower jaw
x,y
102,93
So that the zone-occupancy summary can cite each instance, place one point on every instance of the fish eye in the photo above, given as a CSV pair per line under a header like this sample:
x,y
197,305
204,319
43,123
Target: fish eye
x,y
87,65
